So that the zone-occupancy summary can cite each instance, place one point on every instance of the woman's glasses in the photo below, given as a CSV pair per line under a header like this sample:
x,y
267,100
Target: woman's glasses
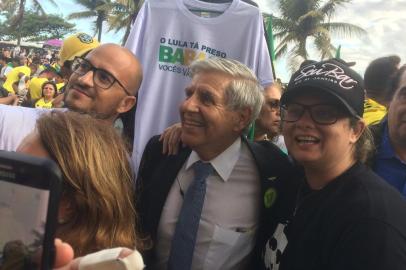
x,y
322,114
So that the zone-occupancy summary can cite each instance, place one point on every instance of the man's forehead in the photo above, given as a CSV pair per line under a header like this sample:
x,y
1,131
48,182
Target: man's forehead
x,y
403,79
212,78
102,60
401,84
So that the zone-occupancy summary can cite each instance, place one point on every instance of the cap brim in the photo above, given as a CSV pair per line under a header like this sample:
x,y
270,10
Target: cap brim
x,y
78,53
287,96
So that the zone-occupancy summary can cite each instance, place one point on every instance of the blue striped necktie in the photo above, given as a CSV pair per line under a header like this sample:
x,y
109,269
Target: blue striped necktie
x,y
184,239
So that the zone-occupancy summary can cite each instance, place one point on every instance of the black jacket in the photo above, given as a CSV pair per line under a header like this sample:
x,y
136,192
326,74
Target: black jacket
x,y
356,222
157,173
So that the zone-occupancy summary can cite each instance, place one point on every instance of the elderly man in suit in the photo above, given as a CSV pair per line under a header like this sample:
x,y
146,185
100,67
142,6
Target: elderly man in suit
x,y
204,207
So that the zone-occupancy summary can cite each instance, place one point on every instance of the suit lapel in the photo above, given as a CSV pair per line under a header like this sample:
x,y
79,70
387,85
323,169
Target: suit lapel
x,y
163,181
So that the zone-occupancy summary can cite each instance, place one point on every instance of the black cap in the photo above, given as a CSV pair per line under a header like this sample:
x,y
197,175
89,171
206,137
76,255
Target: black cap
x,y
332,76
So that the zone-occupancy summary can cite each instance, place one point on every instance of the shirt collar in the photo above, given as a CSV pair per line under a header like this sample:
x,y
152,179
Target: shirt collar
x,y
223,163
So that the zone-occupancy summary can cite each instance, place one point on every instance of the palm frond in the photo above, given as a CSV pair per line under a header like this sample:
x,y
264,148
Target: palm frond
x,y
282,51
294,60
280,24
311,15
344,29
323,45
280,35
82,15
288,39
293,9
330,6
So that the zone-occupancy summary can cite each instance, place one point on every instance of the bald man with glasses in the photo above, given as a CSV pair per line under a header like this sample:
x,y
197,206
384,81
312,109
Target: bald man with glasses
x,y
103,84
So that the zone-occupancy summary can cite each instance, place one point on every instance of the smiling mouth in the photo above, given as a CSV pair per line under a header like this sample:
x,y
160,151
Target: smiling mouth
x,y
307,140
193,123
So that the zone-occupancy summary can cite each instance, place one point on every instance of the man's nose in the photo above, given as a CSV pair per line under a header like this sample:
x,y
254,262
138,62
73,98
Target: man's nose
x,y
278,112
86,78
190,104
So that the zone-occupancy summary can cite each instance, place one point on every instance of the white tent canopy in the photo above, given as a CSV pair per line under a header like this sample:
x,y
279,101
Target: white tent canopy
x,y
24,43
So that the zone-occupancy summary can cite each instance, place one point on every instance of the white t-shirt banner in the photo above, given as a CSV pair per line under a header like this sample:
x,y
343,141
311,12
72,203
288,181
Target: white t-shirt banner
x,y
167,37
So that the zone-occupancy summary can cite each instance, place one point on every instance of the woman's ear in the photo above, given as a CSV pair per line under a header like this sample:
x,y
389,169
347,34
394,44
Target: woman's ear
x,y
357,129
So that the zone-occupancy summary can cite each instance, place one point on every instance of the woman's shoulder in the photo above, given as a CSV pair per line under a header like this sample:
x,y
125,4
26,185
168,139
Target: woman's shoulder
x,y
369,196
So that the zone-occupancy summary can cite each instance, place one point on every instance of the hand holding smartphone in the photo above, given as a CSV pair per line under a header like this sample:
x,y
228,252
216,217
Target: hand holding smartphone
x,y
29,197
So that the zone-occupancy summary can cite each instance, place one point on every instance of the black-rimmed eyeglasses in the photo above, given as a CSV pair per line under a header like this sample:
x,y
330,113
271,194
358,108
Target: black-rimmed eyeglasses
x,y
322,114
101,77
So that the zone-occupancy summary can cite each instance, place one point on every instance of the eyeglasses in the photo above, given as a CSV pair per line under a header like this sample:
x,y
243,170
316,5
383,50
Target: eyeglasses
x,y
274,104
322,114
101,78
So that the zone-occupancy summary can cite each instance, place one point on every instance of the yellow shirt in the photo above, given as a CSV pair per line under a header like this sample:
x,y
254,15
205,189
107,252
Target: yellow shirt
x,y
12,77
35,87
59,86
42,104
373,112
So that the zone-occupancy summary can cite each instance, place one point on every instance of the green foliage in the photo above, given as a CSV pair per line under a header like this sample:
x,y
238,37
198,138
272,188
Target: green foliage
x,y
121,15
304,19
92,11
118,14
37,27
14,11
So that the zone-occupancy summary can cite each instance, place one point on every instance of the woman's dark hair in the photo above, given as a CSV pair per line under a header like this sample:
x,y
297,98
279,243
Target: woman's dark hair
x,y
51,83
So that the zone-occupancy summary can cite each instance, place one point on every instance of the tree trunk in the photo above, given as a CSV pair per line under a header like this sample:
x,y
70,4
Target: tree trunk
x,y
100,27
100,32
20,18
128,28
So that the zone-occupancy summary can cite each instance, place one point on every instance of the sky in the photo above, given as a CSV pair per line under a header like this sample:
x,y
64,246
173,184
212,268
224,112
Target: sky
x,y
382,19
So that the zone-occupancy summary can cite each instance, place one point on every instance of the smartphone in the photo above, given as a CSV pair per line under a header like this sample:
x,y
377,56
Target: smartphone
x,y
29,197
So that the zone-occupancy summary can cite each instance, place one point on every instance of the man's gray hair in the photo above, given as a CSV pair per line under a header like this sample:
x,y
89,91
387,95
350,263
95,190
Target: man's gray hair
x,y
244,90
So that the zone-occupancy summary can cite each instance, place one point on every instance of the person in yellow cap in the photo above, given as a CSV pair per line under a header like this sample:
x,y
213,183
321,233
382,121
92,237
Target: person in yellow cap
x,y
73,46
76,45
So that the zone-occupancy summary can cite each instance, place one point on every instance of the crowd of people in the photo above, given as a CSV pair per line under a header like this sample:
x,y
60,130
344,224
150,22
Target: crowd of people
x,y
33,78
320,185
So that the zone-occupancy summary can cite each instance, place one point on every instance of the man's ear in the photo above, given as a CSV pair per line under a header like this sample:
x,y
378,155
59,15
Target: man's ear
x,y
243,118
126,104
358,129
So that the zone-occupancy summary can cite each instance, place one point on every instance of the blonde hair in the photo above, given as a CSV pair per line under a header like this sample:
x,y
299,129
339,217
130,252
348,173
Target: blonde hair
x,y
364,147
98,181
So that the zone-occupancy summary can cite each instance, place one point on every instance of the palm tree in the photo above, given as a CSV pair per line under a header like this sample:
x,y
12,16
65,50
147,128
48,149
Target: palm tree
x,y
122,14
17,20
93,10
301,19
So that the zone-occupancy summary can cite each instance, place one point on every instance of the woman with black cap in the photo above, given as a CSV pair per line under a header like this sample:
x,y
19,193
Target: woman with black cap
x,y
344,216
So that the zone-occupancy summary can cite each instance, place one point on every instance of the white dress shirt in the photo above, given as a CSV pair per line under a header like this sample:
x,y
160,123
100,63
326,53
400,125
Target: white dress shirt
x,y
230,214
